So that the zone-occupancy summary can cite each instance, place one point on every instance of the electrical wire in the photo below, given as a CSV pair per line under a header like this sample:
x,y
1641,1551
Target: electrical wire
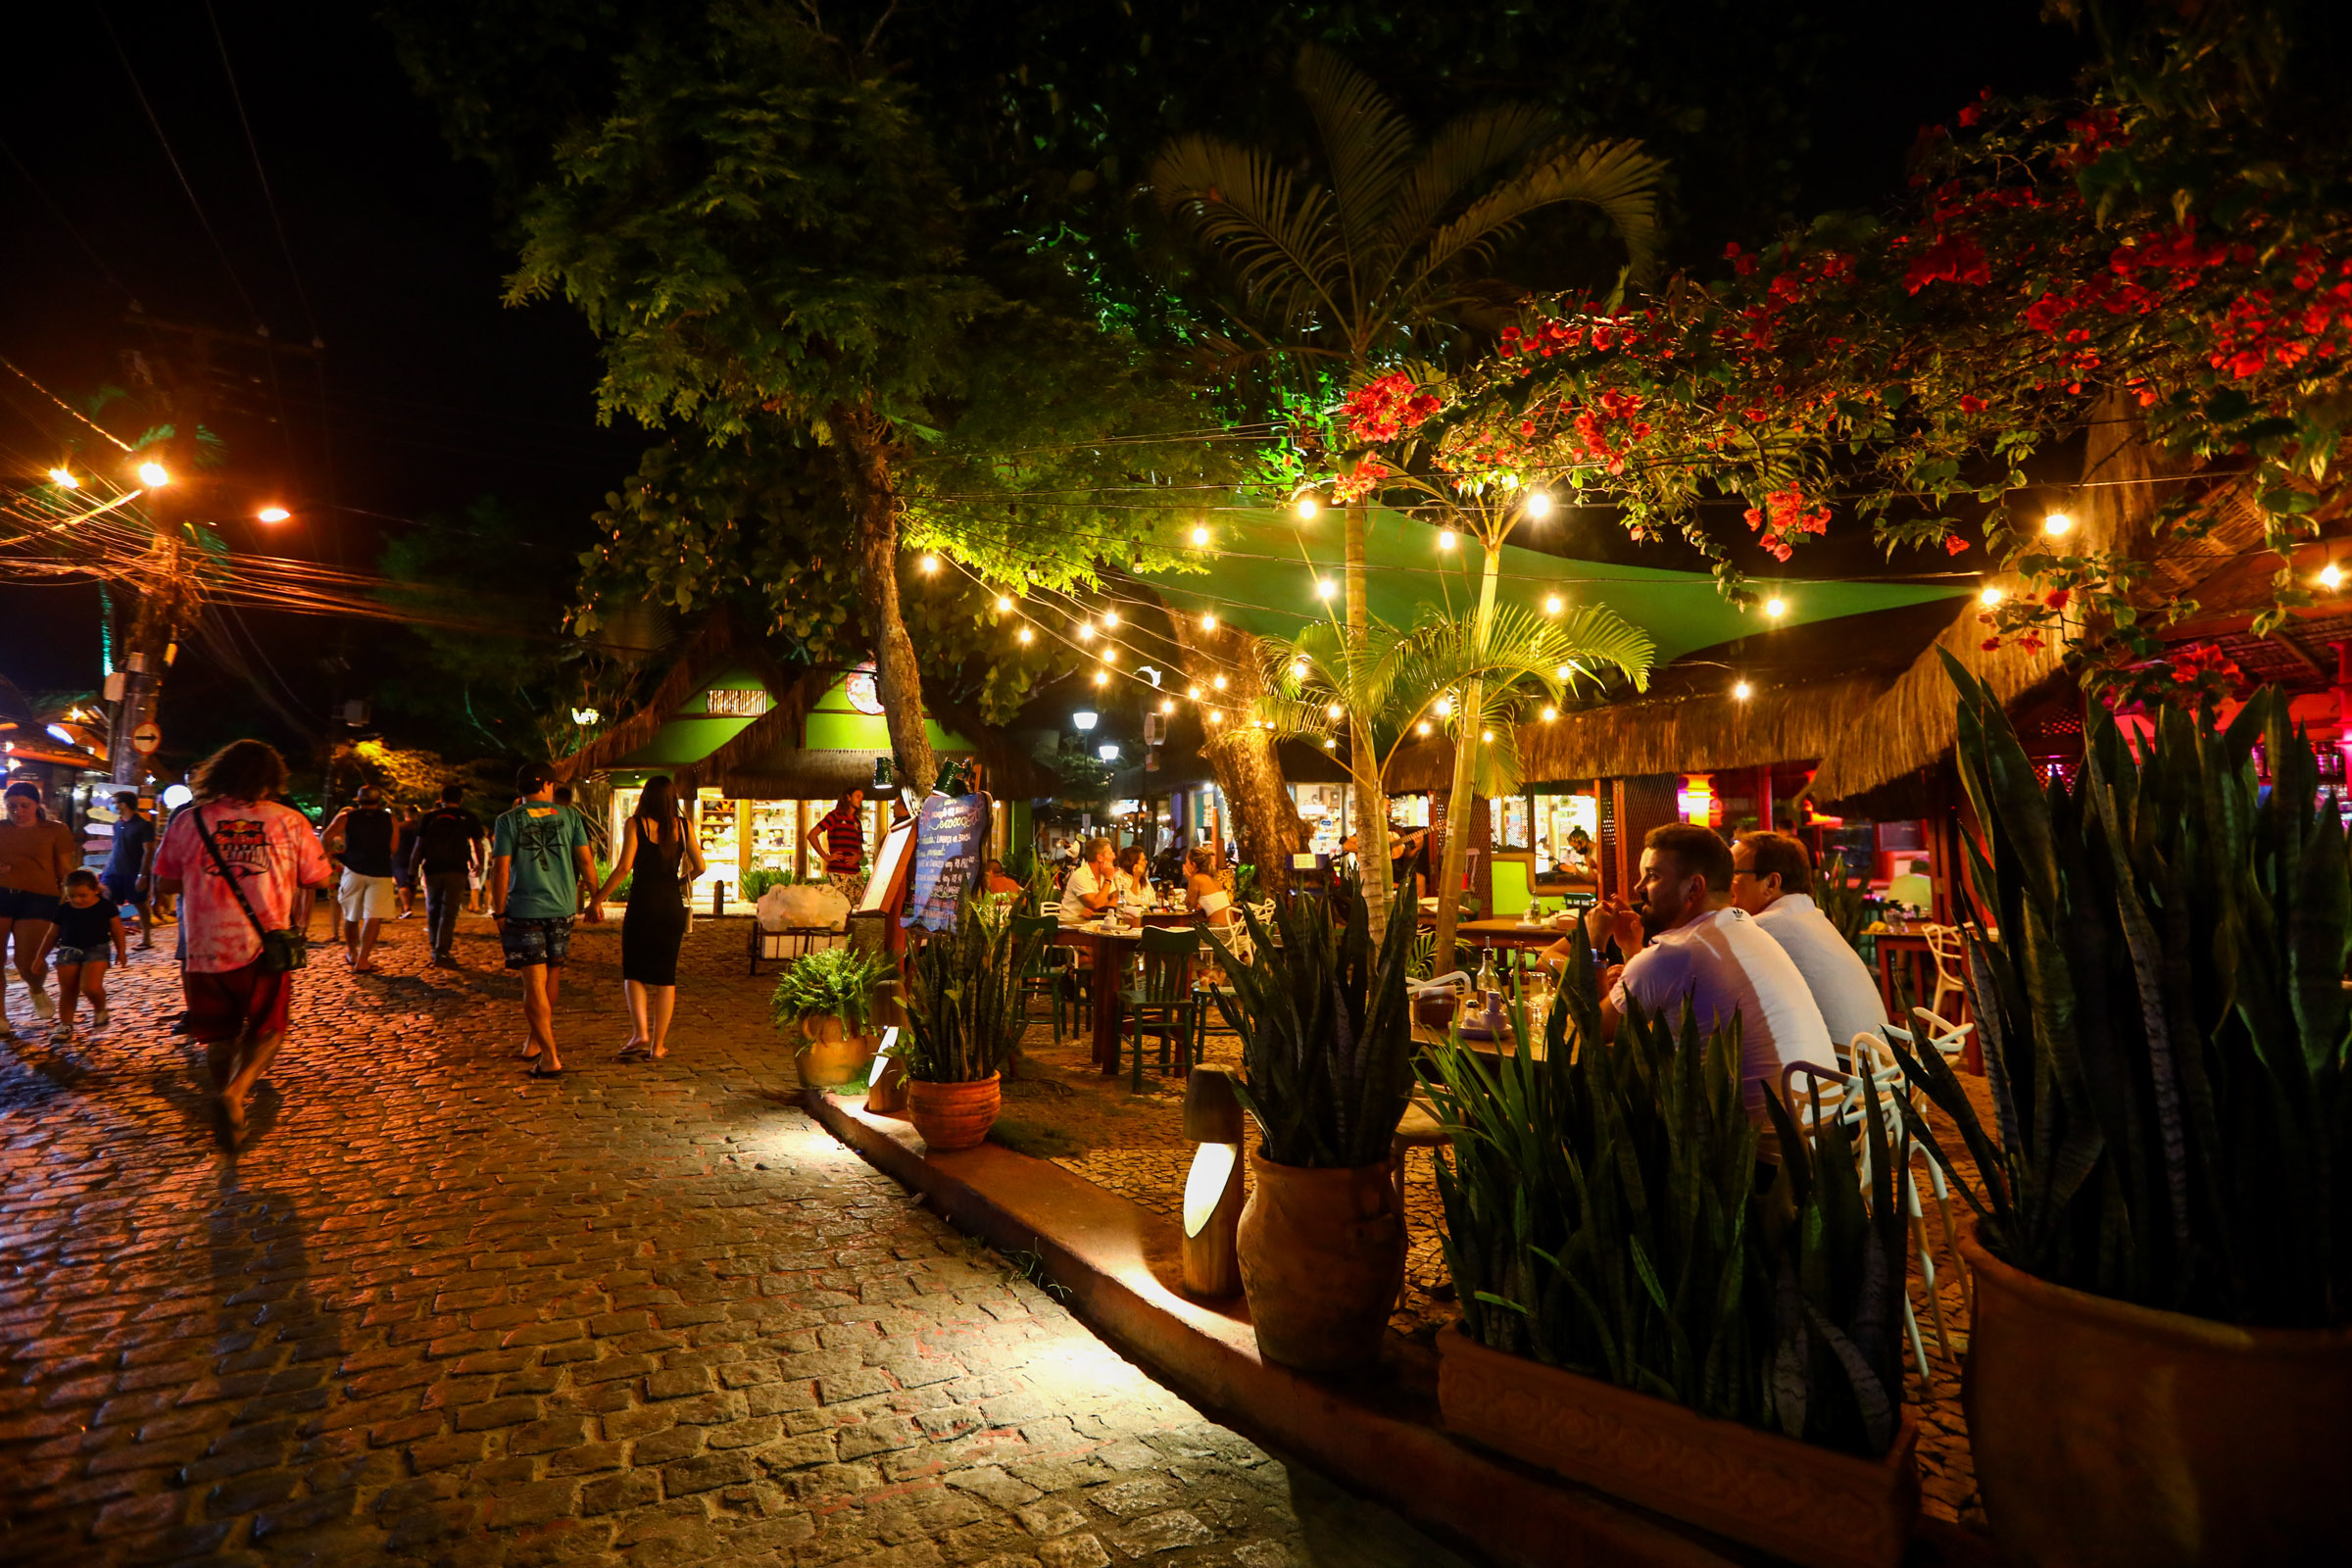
x,y
71,410
261,174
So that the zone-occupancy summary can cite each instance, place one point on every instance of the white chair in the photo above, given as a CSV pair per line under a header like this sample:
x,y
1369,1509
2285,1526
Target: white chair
x,y
1949,953
1947,1039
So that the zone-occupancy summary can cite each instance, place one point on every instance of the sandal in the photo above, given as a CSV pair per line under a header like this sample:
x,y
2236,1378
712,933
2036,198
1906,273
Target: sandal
x,y
544,1072
639,1051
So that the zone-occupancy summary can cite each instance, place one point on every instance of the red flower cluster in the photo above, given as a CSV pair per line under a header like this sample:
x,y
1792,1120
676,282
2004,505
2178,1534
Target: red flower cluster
x,y
1361,480
1546,338
1385,408
1783,518
1948,258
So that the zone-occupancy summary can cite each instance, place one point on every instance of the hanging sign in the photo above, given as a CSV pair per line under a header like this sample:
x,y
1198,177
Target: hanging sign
x,y
146,738
948,835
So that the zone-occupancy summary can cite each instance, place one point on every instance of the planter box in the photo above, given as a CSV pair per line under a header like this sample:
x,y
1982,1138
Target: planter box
x,y
1809,1504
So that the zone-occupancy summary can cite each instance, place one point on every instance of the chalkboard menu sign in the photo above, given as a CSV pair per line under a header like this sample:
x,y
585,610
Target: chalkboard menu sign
x,y
948,835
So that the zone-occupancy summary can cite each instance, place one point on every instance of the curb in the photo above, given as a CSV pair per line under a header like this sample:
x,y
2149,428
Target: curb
x,y
1118,1261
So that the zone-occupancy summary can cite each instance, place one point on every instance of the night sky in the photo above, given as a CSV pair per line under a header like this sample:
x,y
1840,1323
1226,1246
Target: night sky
x,y
434,392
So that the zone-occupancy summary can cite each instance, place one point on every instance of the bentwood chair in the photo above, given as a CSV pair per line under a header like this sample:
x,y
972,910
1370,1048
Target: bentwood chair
x,y
1162,1000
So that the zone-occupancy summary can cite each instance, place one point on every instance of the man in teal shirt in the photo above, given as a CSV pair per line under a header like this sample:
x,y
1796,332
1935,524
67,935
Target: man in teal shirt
x,y
539,864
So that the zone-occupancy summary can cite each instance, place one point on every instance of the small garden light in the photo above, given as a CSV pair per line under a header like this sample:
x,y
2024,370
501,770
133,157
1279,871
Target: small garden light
x,y
1084,718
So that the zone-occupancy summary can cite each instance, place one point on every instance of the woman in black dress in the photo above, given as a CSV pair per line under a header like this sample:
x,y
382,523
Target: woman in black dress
x,y
657,852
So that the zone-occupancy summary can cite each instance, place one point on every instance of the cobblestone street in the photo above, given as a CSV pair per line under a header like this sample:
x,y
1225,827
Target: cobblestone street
x,y
646,1314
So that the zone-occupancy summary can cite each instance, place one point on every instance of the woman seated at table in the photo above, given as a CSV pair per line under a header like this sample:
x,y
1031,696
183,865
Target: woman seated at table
x,y
1132,881
1204,889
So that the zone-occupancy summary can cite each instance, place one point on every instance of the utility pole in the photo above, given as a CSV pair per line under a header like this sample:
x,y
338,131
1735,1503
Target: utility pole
x,y
180,382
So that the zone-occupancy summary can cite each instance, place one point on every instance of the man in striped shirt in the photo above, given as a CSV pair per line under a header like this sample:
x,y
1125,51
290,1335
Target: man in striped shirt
x,y
839,836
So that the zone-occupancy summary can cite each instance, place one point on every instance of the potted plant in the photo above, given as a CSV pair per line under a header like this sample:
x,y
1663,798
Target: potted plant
x,y
964,1021
1637,1317
830,995
2160,1366
1326,1073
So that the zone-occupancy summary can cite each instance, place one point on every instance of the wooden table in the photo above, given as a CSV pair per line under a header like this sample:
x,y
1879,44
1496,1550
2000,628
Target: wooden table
x,y
1910,947
1503,933
1111,952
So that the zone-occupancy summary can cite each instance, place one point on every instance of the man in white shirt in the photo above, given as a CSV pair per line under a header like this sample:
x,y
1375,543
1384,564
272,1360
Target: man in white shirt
x,y
1684,941
1772,875
1089,891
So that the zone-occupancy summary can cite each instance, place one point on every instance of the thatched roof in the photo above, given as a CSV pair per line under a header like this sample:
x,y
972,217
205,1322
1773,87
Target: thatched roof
x,y
766,761
1915,723
1697,734
715,644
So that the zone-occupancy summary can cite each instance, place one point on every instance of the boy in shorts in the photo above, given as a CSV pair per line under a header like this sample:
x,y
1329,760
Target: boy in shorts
x,y
540,865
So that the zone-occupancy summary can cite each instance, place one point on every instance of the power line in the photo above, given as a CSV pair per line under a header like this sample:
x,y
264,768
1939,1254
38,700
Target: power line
x,y
63,403
262,174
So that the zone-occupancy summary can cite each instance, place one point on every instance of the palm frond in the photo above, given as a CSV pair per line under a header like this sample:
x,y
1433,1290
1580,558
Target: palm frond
x,y
1367,145
1277,238
1469,148
1617,178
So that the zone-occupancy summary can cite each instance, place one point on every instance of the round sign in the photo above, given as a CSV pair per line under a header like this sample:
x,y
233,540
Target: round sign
x,y
863,691
146,738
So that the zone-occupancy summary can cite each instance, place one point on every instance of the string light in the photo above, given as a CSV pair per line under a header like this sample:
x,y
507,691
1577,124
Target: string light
x,y
2330,575
1776,606
1085,631
1421,728
1989,597
1110,617
1743,691
1167,705
1306,507
1486,736
63,479
1444,707
2057,524
1325,587
1445,538
1564,672
1539,504
1550,714
1330,744
1215,716
1297,669
1101,677
1200,536
930,564
1193,692
154,475
273,514
1003,605
1208,624
1110,656
1332,710
1552,605
1219,683
1026,635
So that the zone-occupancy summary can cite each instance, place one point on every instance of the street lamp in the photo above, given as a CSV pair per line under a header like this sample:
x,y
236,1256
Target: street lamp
x,y
154,475
273,514
1084,718
1107,751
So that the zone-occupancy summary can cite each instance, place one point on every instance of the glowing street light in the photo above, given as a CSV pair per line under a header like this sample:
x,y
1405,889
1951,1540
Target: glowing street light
x,y
1084,718
154,475
63,479
1107,751
273,514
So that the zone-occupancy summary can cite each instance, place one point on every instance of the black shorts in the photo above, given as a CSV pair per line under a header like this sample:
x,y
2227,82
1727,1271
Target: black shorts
x,y
16,904
121,889
532,943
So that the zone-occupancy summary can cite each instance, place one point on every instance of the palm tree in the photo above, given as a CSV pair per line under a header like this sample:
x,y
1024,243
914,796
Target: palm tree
x,y
1381,266
1471,674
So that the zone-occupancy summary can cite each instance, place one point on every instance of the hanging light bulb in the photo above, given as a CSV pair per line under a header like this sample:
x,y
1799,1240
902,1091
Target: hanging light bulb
x,y
63,479
1445,538
1208,624
1193,692
2331,576
1776,606
154,475
1564,672
1167,705
1486,736
1306,507
1330,744
2057,524
1215,716
1550,714
1297,669
1421,728
1444,707
1026,635
1110,656
1552,605
1110,617
1332,710
1199,536
1989,596
1101,677
930,564
1325,587
1743,691
1218,682
1085,631
1003,605
1539,504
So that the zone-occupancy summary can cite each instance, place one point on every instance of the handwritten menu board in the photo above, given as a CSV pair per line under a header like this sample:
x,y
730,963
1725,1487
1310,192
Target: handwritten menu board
x,y
949,834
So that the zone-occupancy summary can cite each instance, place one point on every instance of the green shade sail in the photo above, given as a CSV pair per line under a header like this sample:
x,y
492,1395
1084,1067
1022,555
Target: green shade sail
x,y
1263,567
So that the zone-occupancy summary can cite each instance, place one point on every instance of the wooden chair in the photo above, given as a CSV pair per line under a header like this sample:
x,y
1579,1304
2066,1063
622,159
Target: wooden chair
x,y
1162,1002
1048,973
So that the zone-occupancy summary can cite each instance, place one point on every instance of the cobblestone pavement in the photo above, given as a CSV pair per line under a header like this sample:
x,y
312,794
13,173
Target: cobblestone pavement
x,y
435,1313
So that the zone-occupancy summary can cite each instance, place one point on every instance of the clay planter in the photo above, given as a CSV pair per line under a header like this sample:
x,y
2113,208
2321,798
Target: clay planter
x,y
1806,1503
953,1116
832,1055
1322,1254
2111,1434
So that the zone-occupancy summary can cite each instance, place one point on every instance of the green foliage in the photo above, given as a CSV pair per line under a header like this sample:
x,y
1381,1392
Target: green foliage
x,y
2163,1020
759,878
1840,900
1326,1030
963,992
842,982
1601,1215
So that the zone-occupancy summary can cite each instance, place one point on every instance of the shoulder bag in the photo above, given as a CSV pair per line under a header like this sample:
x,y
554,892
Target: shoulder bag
x,y
281,951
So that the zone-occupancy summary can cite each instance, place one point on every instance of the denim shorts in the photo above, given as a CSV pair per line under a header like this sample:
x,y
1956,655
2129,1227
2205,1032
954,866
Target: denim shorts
x,y
16,904
532,943
63,957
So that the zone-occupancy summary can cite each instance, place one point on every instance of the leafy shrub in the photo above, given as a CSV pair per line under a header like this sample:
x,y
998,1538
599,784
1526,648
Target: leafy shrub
x,y
963,993
840,982
759,878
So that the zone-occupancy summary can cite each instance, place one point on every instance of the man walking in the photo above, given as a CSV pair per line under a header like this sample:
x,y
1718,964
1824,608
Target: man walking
x,y
368,839
540,865
242,860
840,837
127,876
449,851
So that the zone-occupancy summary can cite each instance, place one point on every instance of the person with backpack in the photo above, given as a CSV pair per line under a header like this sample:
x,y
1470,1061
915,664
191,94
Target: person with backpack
x,y
449,854
240,861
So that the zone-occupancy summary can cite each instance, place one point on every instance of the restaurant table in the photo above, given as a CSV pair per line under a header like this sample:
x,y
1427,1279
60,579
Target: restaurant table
x,y
1910,948
1110,949
1503,933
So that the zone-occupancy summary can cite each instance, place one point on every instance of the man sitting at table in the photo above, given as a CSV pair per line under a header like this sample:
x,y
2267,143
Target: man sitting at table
x,y
1684,941
1089,891
1772,879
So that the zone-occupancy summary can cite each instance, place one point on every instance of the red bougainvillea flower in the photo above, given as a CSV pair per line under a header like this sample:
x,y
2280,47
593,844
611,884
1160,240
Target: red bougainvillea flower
x,y
1382,409
1361,480
1955,546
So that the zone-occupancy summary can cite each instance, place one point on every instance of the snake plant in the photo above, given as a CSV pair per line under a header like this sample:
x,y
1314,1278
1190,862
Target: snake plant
x,y
1601,1215
2161,1015
1326,1032
963,993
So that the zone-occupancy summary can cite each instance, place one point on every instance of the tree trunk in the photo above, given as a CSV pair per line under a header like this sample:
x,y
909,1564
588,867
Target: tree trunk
x,y
866,456
1266,825
1363,755
1467,717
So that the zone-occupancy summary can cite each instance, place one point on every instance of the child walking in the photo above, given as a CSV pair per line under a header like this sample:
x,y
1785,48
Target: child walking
x,y
86,924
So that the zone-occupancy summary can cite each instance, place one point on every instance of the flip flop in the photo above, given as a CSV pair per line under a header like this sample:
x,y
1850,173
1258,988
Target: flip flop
x,y
635,1054
530,1051
545,1072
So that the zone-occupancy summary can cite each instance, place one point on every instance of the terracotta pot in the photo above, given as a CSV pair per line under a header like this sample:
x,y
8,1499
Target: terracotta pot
x,y
2111,1434
1806,1503
1322,1254
953,1116
832,1054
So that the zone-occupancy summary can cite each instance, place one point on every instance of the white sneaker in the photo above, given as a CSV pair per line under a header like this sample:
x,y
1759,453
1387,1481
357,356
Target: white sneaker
x,y
42,1007
98,1016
